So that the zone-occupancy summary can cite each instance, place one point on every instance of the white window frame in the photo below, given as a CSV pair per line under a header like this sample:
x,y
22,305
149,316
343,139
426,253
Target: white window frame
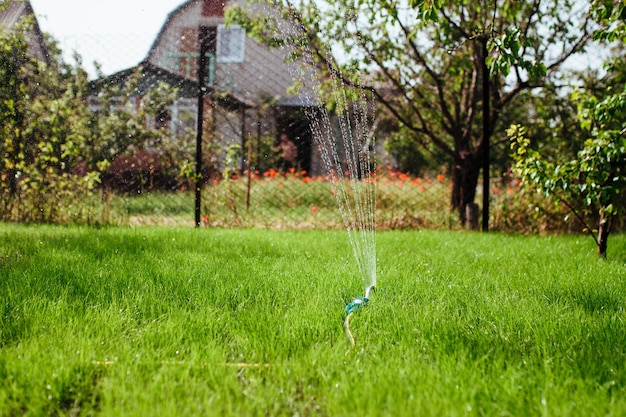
x,y
231,42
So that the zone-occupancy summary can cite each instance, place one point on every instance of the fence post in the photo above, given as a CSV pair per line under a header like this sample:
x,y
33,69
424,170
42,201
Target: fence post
x,y
207,40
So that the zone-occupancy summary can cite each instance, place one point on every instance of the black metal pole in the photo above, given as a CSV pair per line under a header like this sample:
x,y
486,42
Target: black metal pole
x,y
486,135
202,75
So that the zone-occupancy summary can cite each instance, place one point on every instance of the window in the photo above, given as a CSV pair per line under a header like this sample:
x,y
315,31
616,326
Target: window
x,y
231,43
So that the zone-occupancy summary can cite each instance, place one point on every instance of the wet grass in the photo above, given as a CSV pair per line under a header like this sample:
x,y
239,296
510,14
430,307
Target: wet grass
x,y
177,321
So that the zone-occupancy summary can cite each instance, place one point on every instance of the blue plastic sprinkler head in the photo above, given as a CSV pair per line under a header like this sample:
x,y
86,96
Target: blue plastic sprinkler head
x,y
355,304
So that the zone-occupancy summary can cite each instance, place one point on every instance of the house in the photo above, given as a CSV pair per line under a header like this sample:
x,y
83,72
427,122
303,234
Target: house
x,y
12,14
247,83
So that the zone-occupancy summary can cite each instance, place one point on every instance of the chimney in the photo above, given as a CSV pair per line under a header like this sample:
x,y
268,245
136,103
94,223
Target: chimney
x,y
213,8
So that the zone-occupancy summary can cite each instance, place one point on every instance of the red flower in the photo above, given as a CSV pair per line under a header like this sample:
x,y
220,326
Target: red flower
x,y
271,173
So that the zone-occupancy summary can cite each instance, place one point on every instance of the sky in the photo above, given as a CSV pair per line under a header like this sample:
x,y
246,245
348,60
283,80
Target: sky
x,y
116,33
119,33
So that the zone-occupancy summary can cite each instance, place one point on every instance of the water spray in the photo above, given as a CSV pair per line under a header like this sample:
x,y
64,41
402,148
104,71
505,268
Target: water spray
x,y
346,141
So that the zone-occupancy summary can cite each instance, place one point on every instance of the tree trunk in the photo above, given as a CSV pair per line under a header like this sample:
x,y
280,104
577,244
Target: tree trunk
x,y
465,174
471,215
604,229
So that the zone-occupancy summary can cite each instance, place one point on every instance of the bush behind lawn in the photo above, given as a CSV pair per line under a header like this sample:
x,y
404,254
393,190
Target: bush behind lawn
x,y
177,321
294,201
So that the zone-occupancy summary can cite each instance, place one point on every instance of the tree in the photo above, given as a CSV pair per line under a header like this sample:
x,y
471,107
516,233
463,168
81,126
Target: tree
x,y
53,149
446,71
593,183
127,142
43,133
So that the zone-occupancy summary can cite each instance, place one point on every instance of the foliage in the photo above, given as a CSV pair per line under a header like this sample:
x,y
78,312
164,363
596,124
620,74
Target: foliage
x,y
294,200
55,151
590,185
425,61
612,17
551,120
518,209
409,156
44,132
593,183
126,127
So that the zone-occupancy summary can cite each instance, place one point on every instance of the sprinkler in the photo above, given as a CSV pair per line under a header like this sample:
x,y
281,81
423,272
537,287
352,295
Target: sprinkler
x,y
355,304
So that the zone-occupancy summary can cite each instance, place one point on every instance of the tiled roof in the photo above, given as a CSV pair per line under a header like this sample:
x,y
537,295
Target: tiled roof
x,y
151,75
12,14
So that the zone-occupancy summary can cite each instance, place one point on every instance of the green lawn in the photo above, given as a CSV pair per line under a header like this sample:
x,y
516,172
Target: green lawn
x,y
185,322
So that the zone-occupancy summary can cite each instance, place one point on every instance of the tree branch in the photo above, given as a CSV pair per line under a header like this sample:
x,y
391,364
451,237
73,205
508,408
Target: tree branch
x,y
437,79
